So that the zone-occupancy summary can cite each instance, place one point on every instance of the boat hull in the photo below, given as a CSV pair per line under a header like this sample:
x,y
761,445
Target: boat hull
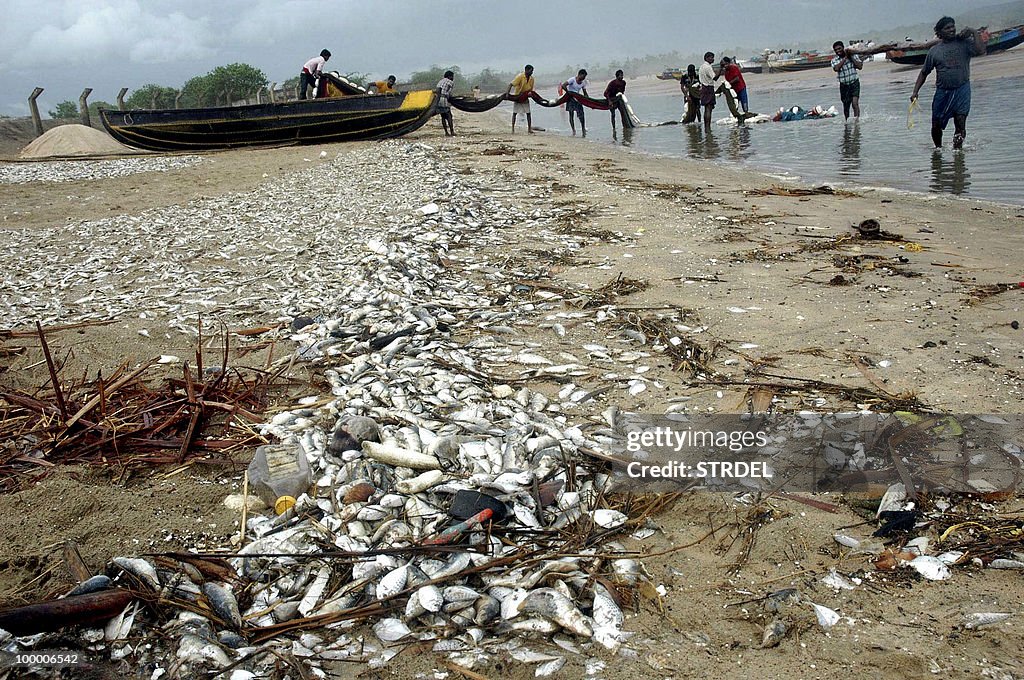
x,y
800,65
312,121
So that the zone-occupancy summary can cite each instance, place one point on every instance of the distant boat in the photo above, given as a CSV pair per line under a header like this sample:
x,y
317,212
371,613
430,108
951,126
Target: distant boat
x,y
996,42
799,62
755,65
671,74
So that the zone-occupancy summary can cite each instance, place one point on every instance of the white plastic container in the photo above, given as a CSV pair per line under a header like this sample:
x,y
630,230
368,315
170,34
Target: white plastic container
x,y
278,474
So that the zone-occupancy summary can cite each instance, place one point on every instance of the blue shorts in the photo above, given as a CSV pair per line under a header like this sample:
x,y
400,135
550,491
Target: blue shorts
x,y
742,95
949,103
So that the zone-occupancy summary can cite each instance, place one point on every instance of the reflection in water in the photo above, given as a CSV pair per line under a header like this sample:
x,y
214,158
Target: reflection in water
x,y
627,135
702,143
739,142
950,175
849,151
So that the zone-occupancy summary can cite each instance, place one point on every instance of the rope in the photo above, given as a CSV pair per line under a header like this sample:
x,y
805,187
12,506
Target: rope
x,y
910,114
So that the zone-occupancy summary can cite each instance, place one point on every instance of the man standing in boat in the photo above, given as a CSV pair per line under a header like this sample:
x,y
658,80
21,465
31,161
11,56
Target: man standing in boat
x,y
846,67
520,88
611,94
951,61
385,86
312,70
706,76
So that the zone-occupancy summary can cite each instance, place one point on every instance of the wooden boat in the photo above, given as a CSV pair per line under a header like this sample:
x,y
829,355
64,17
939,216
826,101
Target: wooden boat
x,y
801,62
996,42
309,121
750,66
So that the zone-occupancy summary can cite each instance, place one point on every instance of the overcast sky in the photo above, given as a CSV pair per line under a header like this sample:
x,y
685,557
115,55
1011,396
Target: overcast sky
x,y
66,45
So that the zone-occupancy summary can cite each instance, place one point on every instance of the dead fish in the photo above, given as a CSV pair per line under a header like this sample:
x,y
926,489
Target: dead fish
x,y
393,455
139,568
420,483
91,585
487,609
392,583
774,633
553,605
223,602
972,621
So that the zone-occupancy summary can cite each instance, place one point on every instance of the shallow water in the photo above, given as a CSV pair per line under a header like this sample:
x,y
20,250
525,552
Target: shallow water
x,y
878,150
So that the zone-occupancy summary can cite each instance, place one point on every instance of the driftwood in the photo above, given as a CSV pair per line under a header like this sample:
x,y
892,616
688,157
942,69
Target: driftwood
x,y
77,610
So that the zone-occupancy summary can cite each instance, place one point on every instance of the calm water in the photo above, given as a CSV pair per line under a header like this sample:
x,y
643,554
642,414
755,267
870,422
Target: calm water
x,y
877,151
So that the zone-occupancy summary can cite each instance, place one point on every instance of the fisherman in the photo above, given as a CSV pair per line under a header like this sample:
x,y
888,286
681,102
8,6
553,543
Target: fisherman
x,y
444,105
731,72
521,85
951,61
706,76
576,85
385,86
611,94
689,80
846,66
311,71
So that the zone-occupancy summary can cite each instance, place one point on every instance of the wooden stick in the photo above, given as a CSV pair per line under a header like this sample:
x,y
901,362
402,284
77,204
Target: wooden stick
x,y
77,610
91,404
76,565
53,373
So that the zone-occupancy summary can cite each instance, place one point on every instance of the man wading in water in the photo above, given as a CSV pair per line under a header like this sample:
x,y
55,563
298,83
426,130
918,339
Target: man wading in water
x,y
951,60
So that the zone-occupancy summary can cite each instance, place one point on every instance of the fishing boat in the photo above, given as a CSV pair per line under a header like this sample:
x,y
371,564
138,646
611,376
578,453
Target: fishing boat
x,y
671,74
333,118
755,65
995,42
798,62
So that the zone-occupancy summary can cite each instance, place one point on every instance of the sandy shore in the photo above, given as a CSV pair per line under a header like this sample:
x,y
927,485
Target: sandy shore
x,y
773,284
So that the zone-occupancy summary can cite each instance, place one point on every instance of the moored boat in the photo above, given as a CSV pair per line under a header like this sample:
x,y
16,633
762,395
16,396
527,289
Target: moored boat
x,y
799,62
307,121
997,41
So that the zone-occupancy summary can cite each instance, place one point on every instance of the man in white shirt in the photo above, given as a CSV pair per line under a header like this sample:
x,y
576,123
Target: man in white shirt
x,y
576,85
706,76
312,70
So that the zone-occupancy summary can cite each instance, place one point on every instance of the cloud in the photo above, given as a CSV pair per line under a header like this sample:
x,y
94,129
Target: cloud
x,y
122,30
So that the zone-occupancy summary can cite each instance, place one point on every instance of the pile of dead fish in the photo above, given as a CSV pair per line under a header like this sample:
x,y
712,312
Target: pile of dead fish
x,y
424,405
75,171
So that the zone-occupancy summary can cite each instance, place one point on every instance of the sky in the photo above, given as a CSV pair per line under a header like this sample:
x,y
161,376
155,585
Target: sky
x,y
67,45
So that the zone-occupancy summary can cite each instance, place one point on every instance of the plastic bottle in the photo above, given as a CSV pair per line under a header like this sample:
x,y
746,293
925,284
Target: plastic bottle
x,y
278,474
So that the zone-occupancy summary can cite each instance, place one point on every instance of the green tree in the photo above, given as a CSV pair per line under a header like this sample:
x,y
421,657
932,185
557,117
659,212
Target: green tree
x,y
65,109
236,81
94,108
198,92
490,82
429,77
142,98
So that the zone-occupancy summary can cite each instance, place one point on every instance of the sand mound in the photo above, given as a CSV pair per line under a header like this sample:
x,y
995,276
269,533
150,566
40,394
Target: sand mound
x,y
73,140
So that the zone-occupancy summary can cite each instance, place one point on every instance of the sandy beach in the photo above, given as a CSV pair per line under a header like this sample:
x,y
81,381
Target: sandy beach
x,y
772,283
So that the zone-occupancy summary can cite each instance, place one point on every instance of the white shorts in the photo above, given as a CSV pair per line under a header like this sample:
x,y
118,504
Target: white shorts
x,y
521,107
